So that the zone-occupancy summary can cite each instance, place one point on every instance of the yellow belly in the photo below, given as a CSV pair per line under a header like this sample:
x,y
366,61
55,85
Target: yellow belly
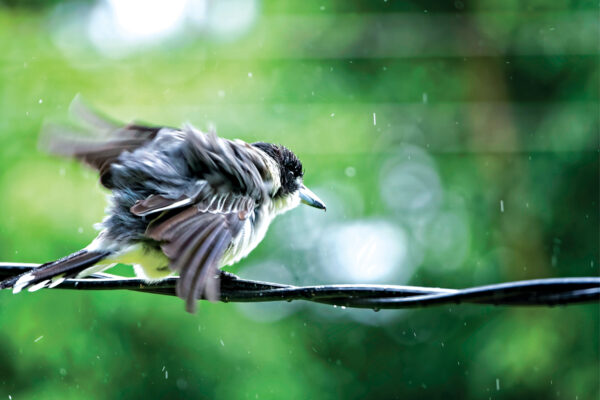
x,y
148,264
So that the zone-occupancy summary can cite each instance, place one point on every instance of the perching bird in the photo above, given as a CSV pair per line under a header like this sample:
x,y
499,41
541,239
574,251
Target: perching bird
x,y
182,202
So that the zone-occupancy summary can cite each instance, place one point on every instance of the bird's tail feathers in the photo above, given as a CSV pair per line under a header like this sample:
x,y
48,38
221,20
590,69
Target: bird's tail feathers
x,y
55,272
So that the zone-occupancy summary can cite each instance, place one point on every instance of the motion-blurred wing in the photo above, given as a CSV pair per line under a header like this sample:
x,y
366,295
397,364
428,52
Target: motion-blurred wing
x,y
227,166
98,142
232,177
100,155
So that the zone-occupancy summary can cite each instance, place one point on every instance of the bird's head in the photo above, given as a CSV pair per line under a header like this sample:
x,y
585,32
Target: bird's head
x,y
290,188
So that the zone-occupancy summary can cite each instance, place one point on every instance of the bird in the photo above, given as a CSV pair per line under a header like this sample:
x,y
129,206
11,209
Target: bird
x,y
181,201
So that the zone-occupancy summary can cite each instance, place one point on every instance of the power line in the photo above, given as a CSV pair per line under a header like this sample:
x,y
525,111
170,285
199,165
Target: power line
x,y
549,292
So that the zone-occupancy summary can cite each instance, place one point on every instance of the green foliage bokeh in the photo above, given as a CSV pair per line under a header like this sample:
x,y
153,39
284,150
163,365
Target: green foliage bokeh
x,y
496,106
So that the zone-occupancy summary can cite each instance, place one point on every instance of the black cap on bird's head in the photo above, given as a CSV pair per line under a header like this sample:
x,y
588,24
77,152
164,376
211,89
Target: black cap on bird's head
x,y
290,173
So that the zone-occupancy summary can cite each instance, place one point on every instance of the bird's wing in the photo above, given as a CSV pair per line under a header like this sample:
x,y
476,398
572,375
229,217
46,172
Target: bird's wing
x,y
97,141
196,231
101,154
228,166
159,203
229,174
195,239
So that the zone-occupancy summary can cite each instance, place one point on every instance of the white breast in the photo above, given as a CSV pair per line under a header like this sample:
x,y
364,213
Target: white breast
x,y
255,228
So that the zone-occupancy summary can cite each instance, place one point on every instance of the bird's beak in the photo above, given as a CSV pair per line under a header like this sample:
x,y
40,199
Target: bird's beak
x,y
308,197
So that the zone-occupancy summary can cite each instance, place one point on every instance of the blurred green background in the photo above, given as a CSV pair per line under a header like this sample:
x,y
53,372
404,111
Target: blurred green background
x,y
455,144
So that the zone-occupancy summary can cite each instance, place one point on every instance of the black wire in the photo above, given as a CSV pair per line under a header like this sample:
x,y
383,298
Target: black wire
x,y
549,292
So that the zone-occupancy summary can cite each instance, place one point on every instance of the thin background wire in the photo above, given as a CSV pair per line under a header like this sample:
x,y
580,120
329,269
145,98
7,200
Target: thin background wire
x,y
549,292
